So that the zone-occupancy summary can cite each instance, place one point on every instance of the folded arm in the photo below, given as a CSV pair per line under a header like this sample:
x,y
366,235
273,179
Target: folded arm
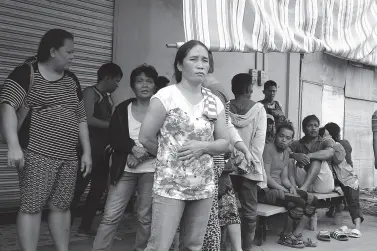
x,y
325,154
151,125
221,142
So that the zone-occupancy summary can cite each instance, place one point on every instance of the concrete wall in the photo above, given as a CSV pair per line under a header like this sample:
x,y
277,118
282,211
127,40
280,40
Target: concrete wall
x,y
143,27
324,69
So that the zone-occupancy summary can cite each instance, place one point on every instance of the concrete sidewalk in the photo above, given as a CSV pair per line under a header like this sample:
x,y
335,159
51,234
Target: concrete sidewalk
x,y
366,243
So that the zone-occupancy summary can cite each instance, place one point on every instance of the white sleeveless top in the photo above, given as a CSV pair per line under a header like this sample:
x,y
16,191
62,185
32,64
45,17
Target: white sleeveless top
x,y
147,166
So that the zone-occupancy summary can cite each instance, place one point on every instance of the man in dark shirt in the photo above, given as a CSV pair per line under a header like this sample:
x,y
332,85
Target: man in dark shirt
x,y
98,106
312,153
272,106
300,205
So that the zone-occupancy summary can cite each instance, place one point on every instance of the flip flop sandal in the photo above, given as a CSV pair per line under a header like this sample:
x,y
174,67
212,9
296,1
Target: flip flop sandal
x,y
345,230
286,240
308,242
339,235
355,233
324,236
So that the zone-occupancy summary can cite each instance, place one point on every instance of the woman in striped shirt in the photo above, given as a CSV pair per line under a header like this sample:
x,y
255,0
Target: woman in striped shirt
x,y
45,149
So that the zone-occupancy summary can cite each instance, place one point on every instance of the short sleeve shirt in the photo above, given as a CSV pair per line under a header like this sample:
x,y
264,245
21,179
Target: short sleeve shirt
x,y
184,122
300,146
56,110
274,161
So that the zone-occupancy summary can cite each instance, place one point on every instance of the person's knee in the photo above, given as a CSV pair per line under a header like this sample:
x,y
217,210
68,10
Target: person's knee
x,y
315,165
31,210
145,218
296,213
249,217
312,204
29,207
54,207
296,200
111,217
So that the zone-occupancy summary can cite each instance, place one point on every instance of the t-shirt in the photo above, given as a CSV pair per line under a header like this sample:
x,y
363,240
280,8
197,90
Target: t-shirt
x,y
274,161
56,111
300,146
184,122
134,126
275,109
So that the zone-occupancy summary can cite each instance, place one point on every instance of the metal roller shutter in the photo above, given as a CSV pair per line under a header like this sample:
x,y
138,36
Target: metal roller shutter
x,y
24,22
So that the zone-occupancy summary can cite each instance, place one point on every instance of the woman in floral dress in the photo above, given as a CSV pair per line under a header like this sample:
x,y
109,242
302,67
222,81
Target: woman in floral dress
x,y
184,126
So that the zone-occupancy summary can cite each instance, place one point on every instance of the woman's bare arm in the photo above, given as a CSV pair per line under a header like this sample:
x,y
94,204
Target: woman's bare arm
x,y
152,123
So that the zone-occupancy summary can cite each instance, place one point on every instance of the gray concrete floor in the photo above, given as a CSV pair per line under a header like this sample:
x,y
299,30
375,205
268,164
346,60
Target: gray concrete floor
x,y
366,243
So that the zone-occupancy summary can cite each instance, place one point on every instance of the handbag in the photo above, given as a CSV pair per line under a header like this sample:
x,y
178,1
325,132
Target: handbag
x,y
24,110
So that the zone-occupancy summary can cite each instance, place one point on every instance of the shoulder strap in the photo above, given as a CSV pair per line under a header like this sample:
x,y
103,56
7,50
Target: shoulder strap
x,y
98,93
31,78
31,82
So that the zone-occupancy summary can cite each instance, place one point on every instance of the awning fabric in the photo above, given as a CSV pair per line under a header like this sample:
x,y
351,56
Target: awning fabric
x,y
343,28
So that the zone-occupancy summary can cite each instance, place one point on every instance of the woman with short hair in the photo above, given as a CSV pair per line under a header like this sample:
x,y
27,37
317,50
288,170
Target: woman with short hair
x,y
131,166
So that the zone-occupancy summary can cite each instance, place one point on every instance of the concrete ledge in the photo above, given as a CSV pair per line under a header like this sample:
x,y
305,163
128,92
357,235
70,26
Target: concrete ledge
x,y
323,196
268,210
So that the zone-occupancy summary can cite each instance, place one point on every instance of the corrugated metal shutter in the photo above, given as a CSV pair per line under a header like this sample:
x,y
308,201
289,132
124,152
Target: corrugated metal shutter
x,y
24,22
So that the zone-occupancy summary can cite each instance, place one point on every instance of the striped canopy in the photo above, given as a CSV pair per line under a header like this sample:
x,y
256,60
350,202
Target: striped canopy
x,y
343,28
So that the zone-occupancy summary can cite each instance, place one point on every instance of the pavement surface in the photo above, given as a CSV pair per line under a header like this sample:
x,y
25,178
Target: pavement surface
x,y
126,231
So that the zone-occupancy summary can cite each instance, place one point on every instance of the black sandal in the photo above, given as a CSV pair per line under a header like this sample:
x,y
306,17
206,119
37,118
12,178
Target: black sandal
x,y
286,240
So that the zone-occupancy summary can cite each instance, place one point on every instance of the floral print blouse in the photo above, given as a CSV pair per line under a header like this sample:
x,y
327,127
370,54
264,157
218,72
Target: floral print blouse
x,y
184,122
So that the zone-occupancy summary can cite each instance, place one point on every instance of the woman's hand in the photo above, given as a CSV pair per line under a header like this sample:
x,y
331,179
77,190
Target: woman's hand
x,y
15,157
86,164
192,150
132,161
139,152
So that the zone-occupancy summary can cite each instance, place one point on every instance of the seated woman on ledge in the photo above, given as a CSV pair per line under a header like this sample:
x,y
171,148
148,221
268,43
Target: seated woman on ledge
x,y
345,178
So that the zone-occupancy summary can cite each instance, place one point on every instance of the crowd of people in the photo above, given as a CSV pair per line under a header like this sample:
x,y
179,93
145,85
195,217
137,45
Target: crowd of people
x,y
187,149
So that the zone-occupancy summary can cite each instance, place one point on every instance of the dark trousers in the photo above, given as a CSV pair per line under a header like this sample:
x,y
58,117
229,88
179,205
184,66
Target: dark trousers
x,y
352,198
99,180
247,194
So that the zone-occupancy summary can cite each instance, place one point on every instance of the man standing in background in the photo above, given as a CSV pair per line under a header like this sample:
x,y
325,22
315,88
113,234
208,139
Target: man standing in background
x,y
98,106
272,106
